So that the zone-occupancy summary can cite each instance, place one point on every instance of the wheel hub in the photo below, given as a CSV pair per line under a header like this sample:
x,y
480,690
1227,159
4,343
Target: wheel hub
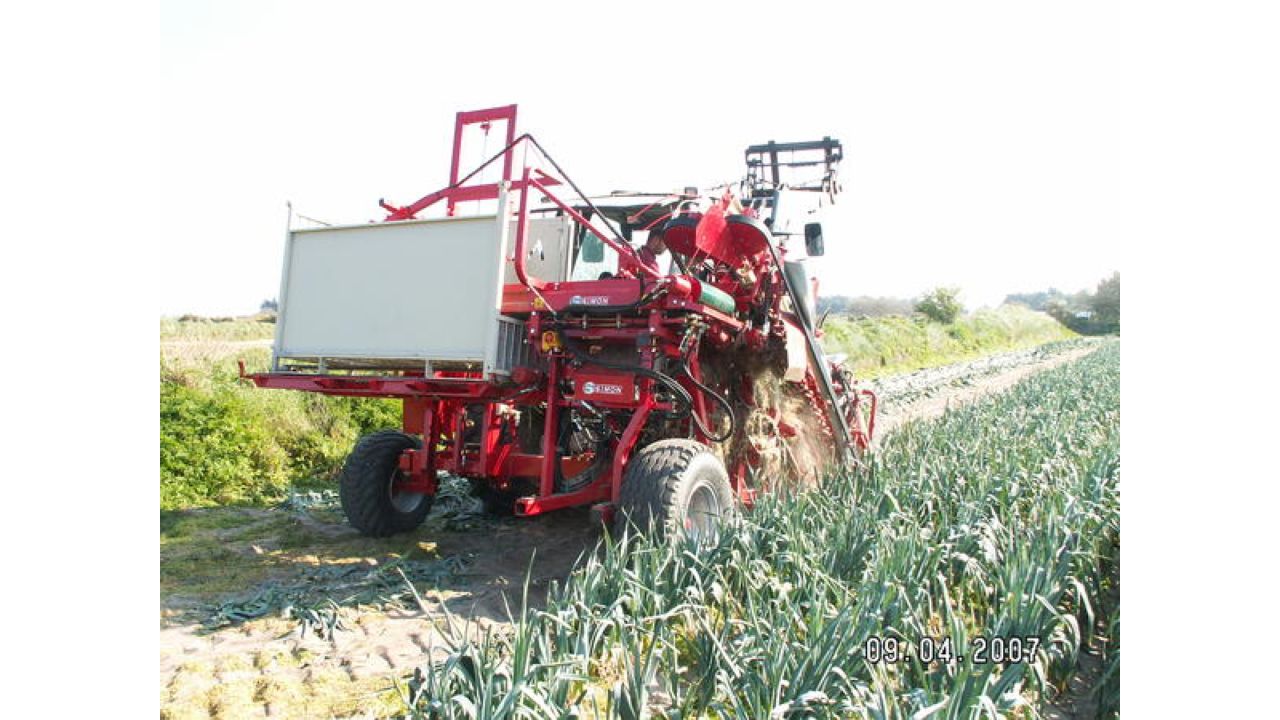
x,y
702,518
404,501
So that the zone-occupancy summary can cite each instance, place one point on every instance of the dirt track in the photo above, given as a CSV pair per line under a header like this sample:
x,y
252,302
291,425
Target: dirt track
x,y
929,393
353,625
294,668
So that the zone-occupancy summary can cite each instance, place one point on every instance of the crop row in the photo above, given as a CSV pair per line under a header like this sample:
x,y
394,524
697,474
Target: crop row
x,y
999,520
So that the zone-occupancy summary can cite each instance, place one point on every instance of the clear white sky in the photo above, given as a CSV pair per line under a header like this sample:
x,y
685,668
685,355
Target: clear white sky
x,y
978,140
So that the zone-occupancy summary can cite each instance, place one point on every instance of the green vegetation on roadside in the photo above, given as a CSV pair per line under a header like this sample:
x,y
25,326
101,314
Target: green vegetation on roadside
x,y
223,442
893,344
998,520
258,327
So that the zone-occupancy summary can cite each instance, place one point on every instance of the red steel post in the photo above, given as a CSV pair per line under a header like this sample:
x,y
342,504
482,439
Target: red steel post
x,y
627,442
550,430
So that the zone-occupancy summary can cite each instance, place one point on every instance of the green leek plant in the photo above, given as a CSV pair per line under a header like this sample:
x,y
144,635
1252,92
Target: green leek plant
x,y
998,520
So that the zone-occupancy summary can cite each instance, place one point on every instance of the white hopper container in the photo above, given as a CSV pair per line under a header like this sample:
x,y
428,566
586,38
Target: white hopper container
x,y
416,294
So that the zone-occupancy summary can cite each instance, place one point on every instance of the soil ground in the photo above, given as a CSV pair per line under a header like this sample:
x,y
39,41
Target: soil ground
x,y
288,612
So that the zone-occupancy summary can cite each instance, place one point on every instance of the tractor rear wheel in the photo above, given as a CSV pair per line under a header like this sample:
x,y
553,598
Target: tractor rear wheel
x,y
675,488
368,488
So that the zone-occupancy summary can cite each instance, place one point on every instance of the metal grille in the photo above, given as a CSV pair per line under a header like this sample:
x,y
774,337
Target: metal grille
x,y
513,349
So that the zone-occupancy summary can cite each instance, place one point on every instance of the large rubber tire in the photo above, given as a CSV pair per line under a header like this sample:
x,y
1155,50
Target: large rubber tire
x,y
368,500
675,488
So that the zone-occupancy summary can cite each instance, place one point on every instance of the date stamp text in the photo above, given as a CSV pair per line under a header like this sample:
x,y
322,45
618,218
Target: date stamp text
x,y
980,650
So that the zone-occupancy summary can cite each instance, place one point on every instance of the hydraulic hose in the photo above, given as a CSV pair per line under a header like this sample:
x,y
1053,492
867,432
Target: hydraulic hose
x,y
673,385
733,421
666,380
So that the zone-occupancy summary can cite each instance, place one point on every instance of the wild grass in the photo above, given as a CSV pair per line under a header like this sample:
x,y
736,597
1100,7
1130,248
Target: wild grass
x,y
1000,519
223,442
888,345
201,329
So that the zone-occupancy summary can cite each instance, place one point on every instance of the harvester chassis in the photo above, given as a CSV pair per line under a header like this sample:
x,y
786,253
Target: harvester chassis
x,y
631,393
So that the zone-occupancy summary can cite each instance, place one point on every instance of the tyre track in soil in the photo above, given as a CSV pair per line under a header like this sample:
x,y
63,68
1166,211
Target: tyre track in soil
x,y
271,667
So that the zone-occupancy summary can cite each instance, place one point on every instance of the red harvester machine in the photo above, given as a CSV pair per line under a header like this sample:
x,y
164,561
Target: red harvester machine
x,y
539,355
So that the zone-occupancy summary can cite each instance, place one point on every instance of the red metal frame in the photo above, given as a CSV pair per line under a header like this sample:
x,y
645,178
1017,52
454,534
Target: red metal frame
x,y
627,258
484,118
457,191
469,423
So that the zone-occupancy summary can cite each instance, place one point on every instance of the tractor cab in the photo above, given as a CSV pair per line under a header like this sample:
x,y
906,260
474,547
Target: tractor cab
x,y
634,216
789,183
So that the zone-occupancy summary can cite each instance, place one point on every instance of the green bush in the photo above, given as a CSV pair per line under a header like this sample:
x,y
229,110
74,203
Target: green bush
x,y
369,416
224,442
941,305
212,451
1088,313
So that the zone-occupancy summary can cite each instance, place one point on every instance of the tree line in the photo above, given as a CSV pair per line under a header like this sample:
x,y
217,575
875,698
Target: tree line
x,y
1088,313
